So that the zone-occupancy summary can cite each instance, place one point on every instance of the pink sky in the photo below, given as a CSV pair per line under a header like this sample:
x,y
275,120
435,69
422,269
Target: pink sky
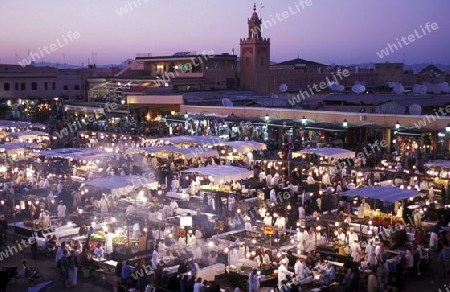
x,y
326,31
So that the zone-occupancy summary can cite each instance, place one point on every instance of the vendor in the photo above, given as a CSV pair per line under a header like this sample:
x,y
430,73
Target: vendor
x,y
212,258
302,236
98,251
155,257
44,218
247,223
280,224
355,251
175,184
190,239
268,219
136,231
173,206
352,236
283,272
262,259
302,272
340,236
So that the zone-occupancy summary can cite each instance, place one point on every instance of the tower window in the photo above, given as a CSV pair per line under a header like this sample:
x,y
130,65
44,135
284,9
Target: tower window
x,y
247,61
262,61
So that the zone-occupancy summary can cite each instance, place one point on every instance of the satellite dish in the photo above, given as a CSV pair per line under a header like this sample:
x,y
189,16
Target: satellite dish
x,y
341,88
358,88
423,89
333,86
445,87
274,95
226,102
283,87
416,88
415,109
429,86
399,89
391,84
437,88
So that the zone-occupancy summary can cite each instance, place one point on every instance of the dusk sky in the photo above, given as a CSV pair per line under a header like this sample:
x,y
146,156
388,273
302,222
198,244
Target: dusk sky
x,y
327,31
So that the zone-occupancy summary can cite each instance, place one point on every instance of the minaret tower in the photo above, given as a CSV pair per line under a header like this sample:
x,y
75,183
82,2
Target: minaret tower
x,y
255,58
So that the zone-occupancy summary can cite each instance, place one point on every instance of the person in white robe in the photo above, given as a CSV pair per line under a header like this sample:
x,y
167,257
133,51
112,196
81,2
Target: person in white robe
x,y
268,220
283,272
104,204
370,254
191,239
109,245
175,185
302,236
355,251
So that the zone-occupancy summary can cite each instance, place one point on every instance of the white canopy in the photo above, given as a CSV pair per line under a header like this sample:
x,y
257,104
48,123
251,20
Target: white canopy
x,y
122,184
210,140
28,135
245,146
186,153
77,153
336,153
19,124
385,194
221,173
14,148
438,163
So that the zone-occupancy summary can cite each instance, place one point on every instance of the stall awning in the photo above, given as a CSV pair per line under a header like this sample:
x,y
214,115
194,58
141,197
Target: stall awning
x,y
221,173
14,148
208,140
385,194
4,124
77,153
27,135
336,153
245,146
122,184
85,109
187,153
438,163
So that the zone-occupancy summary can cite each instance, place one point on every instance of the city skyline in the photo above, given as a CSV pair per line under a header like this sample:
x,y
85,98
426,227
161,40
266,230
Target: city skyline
x,y
109,32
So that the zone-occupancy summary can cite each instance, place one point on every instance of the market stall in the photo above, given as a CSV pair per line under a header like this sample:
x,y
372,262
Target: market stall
x,y
83,154
329,153
178,153
121,184
219,174
27,136
378,197
15,150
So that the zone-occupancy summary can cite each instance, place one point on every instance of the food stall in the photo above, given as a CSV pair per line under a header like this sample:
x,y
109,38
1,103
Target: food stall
x,y
87,160
121,185
378,208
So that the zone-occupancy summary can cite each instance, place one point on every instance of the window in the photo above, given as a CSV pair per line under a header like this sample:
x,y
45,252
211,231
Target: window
x,y
247,61
53,85
65,87
262,61
76,87
45,85
23,86
6,87
16,86
33,85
